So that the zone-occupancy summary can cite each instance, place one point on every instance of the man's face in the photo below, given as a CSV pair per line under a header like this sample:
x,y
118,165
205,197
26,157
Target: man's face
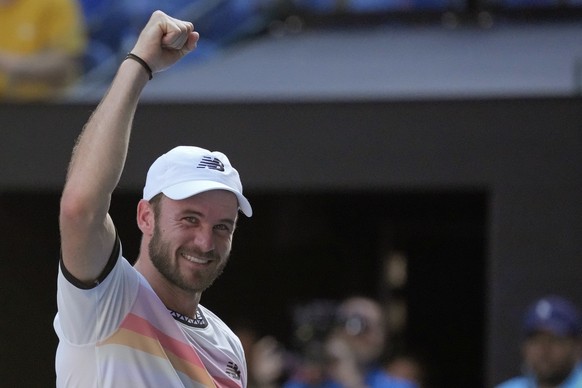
x,y
192,238
365,330
550,357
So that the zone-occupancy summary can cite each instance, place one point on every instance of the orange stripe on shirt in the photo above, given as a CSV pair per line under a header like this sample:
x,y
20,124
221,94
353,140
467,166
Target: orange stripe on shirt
x,y
137,333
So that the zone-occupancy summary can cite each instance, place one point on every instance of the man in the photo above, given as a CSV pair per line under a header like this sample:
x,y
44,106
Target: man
x,y
143,326
552,349
353,349
356,346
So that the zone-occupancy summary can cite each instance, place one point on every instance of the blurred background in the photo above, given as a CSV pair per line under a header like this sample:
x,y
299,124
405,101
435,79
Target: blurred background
x,y
425,153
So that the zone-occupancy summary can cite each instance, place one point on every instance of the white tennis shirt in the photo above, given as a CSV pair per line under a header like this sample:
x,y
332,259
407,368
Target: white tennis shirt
x,y
120,334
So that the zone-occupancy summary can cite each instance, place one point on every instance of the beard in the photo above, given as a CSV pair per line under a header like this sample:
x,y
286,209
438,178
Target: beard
x,y
160,254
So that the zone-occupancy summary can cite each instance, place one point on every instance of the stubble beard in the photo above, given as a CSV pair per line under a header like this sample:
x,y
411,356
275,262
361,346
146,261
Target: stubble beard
x,y
160,255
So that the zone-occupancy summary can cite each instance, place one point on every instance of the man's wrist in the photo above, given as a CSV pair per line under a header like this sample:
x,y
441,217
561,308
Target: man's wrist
x,y
143,63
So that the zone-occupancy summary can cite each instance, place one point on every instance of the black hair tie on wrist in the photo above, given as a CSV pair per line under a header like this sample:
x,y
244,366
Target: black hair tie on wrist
x,y
141,62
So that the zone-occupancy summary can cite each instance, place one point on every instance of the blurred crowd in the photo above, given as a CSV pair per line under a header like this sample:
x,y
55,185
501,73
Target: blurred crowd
x,y
349,344
335,344
46,46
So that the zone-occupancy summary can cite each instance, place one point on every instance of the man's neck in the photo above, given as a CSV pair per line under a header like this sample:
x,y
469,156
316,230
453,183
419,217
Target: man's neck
x,y
174,298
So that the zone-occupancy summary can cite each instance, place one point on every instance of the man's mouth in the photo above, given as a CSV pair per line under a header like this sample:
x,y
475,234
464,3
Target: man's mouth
x,y
195,259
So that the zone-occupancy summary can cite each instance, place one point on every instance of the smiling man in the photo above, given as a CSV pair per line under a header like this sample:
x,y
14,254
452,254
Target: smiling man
x,y
143,325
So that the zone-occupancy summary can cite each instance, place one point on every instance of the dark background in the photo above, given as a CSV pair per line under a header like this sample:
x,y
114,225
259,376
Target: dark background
x,y
311,246
482,196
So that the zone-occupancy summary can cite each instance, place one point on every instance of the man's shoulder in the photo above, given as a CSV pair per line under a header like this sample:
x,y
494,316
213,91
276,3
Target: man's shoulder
x,y
216,326
212,318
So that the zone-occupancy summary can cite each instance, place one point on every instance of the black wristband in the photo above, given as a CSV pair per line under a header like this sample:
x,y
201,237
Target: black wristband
x,y
141,62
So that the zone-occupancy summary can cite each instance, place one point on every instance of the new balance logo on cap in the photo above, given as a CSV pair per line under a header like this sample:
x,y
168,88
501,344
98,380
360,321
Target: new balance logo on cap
x,y
211,163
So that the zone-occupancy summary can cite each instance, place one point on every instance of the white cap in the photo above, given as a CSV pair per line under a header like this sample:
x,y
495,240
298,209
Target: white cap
x,y
185,171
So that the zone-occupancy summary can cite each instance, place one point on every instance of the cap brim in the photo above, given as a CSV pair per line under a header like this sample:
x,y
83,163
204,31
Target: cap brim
x,y
555,328
187,189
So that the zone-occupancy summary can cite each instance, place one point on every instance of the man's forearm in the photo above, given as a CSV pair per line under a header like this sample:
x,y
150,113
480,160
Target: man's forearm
x,y
100,153
87,232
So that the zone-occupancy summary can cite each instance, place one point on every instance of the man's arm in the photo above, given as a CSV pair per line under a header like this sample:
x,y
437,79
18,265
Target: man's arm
x,y
87,231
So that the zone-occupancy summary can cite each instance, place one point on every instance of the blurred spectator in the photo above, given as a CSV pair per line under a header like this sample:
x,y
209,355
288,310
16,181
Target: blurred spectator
x,y
552,347
41,43
352,350
312,324
265,356
268,363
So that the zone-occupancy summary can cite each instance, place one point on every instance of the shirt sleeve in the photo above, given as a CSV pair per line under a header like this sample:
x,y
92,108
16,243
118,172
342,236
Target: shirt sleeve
x,y
89,315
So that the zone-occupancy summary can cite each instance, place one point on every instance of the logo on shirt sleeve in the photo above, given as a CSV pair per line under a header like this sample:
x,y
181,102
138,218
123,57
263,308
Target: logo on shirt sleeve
x,y
232,370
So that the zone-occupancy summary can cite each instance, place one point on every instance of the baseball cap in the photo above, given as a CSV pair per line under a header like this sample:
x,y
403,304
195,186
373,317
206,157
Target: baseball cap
x,y
185,171
554,314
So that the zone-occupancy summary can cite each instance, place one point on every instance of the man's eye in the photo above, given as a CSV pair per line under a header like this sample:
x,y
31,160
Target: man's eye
x,y
222,227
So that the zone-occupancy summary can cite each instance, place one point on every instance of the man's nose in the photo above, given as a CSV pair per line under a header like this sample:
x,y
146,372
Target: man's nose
x,y
204,239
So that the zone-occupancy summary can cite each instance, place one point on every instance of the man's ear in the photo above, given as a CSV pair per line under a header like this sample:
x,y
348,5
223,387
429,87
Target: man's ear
x,y
145,217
